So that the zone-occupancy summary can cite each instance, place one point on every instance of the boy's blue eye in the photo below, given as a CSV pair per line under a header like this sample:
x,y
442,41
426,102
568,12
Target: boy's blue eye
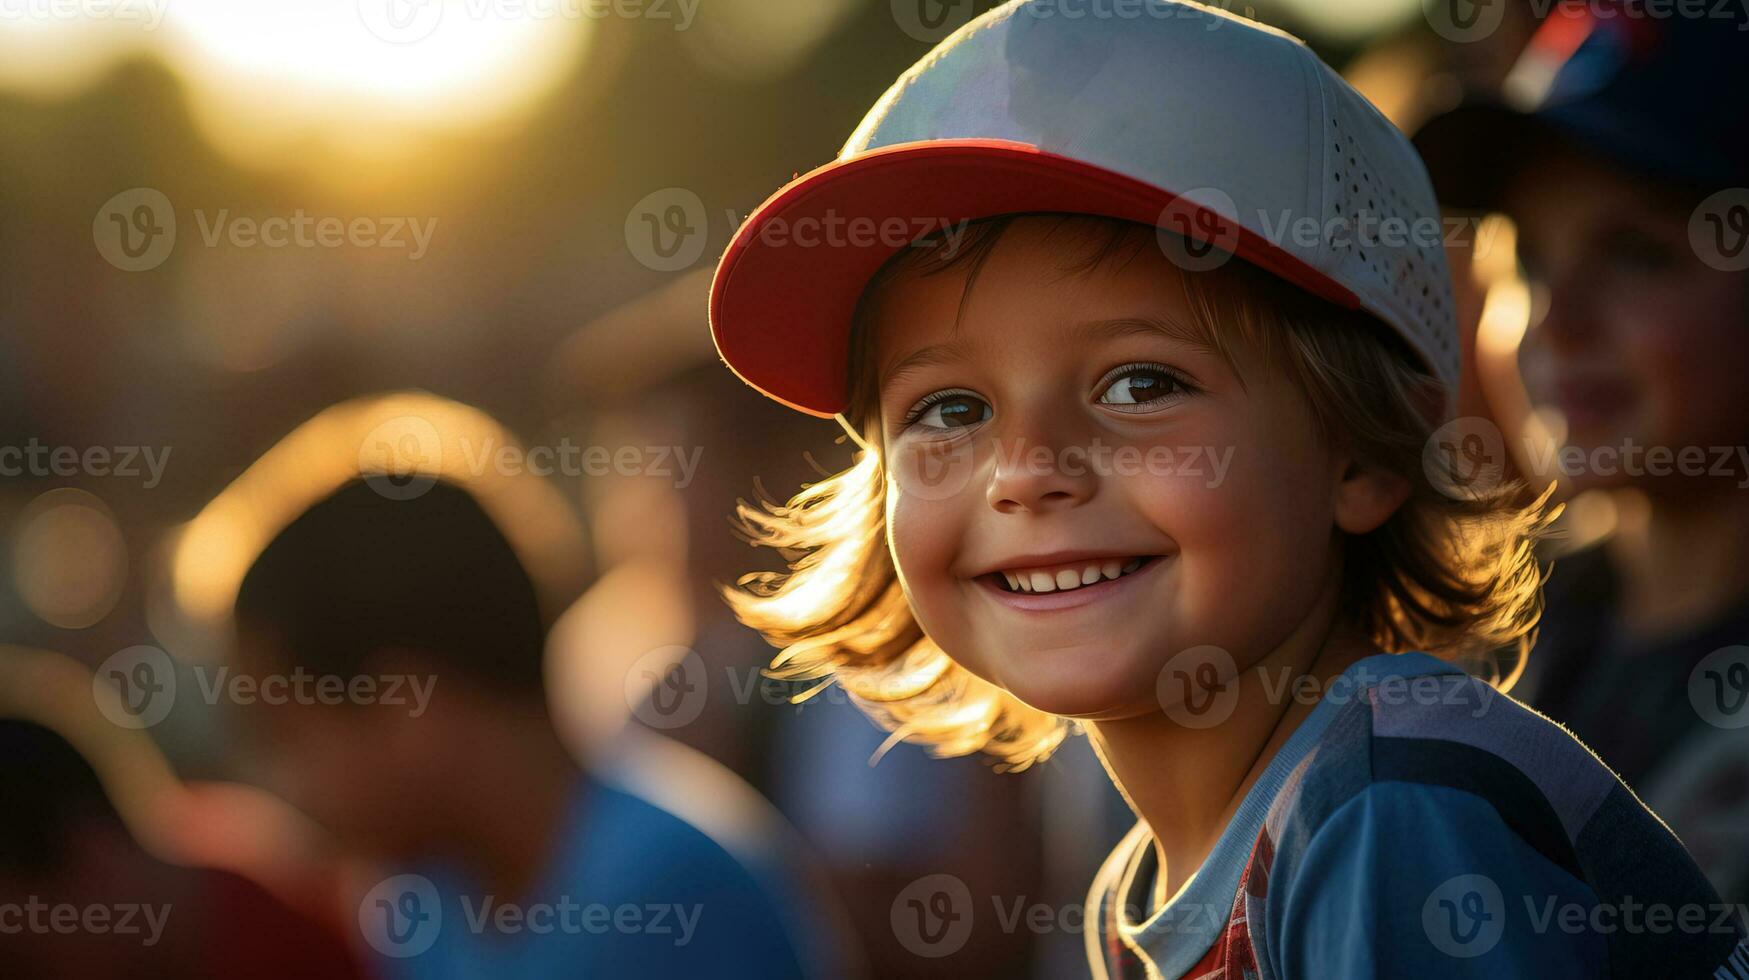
x,y
1140,384
949,410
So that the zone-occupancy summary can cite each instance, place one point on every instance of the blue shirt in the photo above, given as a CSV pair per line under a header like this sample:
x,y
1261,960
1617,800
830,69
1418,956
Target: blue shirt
x,y
1421,824
634,891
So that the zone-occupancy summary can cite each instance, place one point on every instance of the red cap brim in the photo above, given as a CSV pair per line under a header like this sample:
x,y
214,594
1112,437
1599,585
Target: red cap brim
x,y
788,284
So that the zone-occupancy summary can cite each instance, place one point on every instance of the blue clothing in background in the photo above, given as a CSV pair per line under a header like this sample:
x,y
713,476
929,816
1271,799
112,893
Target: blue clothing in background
x,y
634,891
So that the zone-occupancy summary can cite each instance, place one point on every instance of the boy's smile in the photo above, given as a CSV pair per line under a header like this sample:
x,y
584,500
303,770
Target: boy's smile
x,y
1068,585
1040,530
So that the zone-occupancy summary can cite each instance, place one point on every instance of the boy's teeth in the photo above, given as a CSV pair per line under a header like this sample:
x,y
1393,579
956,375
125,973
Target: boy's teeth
x,y
1063,579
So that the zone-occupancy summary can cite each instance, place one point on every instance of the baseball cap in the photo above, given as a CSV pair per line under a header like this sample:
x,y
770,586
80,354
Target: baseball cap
x,y
1223,131
1661,91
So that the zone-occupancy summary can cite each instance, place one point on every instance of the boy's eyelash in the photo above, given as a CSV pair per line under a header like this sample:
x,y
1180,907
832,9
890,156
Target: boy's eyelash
x,y
1179,378
932,398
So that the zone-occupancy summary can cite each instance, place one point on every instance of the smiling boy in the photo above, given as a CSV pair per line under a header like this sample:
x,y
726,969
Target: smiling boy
x,y
1251,657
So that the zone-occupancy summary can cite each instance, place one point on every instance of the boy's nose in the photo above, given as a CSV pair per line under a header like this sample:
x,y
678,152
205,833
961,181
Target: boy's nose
x,y
1041,476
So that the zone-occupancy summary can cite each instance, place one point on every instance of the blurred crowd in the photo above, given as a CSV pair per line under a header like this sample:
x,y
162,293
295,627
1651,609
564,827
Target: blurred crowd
x,y
362,609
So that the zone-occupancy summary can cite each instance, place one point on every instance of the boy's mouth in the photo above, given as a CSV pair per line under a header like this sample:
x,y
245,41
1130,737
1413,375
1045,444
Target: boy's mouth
x,y
1067,576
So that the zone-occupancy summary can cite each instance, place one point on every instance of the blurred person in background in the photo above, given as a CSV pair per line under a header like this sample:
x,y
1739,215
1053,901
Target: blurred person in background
x,y
502,853
1619,145
81,898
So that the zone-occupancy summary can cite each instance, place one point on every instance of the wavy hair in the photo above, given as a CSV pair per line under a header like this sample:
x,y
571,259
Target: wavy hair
x,y
1451,573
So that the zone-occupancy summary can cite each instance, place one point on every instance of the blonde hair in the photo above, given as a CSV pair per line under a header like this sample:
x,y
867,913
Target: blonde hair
x,y
1449,574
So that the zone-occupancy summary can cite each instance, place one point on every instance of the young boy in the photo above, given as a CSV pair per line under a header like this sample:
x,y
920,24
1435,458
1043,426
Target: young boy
x,y
1152,431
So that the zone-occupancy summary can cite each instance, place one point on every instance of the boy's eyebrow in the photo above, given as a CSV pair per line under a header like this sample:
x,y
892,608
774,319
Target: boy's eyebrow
x,y
1191,335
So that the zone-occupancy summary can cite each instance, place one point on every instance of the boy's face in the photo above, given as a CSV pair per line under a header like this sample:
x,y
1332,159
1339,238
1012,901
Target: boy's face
x,y
1642,344
1076,434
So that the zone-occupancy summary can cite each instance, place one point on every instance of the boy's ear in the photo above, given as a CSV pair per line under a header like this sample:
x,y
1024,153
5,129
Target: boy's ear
x,y
1367,497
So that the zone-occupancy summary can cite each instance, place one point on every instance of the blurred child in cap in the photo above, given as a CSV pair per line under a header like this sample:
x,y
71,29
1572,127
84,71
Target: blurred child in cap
x,y
503,857
1619,147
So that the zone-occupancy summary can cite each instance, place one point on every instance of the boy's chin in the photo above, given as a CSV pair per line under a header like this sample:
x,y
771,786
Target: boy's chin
x,y
1084,695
